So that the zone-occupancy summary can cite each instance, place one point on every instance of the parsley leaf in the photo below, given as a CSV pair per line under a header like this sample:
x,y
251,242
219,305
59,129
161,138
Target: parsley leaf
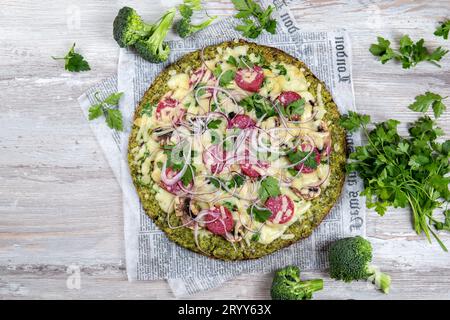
x,y
295,156
424,101
353,121
113,117
281,69
236,181
258,103
232,60
409,54
296,108
260,215
188,176
227,77
443,30
269,188
214,124
254,18
402,171
74,62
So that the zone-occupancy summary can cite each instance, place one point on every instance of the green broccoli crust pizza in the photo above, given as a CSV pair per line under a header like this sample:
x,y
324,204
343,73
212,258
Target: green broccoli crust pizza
x,y
236,151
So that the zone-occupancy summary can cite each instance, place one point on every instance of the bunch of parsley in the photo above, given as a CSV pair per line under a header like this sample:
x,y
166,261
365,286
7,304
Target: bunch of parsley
x,y
409,54
408,171
254,18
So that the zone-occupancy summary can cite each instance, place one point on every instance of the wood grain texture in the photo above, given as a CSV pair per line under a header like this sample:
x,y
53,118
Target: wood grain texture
x,y
60,204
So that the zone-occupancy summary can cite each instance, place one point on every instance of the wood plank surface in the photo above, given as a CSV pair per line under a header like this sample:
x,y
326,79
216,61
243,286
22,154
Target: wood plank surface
x,y
60,205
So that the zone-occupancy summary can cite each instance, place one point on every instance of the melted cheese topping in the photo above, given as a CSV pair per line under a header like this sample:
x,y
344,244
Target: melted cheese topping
x,y
198,93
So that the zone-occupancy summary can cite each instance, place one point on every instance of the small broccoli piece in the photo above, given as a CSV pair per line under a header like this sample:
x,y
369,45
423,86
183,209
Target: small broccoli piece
x,y
154,49
185,28
350,260
287,285
128,27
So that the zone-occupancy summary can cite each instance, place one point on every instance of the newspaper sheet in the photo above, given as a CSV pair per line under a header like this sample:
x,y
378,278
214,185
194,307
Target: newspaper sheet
x,y
149,254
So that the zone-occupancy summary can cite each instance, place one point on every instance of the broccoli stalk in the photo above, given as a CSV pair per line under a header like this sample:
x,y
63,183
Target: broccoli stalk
x,y
287,285
128,27
350,260
185,28
154,49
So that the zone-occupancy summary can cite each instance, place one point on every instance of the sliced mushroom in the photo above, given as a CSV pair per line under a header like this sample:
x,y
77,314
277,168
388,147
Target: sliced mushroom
x,y
307,193
182,206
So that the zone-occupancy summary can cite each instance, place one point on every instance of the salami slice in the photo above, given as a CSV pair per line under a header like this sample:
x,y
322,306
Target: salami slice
x,y
282,209
250,79
242,121
219,220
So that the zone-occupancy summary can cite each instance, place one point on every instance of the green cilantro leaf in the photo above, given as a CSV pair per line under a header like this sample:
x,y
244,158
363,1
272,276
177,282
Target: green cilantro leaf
x,y
443,30
74,62
269,188
113,117
423,102
353,121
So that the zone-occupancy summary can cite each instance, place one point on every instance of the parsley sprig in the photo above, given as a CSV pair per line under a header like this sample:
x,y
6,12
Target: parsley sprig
x,y
409,54
74,62
113,117
254,18
443,30
424,101
404,172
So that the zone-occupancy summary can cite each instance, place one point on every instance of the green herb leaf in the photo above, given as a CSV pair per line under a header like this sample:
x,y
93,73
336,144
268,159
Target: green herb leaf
x,y
354,121
269,188
113,117
74,62
409,53
309,159
281,69
405,172
443,30
95,111
254,18
423,102
232,60
260,215
260,104
226,78
214,124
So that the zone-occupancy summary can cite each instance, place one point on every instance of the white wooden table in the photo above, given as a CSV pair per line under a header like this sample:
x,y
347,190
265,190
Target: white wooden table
x,y
60,205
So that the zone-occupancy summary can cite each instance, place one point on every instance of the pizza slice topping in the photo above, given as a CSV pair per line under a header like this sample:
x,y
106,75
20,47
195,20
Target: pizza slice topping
x,y
252,145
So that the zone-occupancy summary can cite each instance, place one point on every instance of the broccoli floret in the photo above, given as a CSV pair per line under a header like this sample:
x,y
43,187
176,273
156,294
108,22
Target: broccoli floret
x,y
287,285
185,28
154,49
350,260
128,27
